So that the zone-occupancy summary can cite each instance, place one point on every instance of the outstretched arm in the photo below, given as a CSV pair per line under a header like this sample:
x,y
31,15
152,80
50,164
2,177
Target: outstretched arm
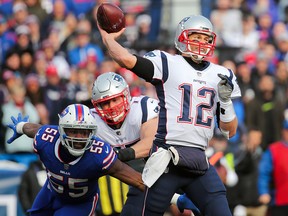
x,y
20,126
115,50
30,129
126,174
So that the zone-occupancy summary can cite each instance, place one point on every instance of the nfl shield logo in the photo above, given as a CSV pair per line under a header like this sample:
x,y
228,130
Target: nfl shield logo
x,y
66,166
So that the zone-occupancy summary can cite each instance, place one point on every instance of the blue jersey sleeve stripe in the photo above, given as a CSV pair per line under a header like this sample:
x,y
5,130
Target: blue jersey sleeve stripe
x,y
144,109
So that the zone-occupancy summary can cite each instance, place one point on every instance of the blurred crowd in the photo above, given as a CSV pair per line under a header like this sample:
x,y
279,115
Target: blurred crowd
x,y
51,53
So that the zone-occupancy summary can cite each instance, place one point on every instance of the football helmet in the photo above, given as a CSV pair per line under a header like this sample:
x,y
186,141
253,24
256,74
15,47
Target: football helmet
x,y
76,118
106,87
195,24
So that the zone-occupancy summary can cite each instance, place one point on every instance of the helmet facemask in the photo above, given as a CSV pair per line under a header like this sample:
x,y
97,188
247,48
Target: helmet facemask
x,y
116,114
77,145
77,127
196,49
109,88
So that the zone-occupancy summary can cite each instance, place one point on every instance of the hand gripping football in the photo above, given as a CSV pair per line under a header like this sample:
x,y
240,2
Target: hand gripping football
x,y
110,17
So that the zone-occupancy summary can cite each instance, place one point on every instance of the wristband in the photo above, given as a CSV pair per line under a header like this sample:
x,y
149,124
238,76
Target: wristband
x,y
227,112
126,154
175,199
19,127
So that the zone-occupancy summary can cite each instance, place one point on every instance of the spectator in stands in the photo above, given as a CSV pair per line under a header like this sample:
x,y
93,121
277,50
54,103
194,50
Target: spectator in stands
x,y
55,94
79,8
273,175
12,61
53,58
228,33
282,46
246,192
265,25
35,8
260,69
7,39
20,14
250,36
57,19
26,63
264,115
6,8
33,24
83,46
40,65
279,28
83,87
21,150
244,81
281,83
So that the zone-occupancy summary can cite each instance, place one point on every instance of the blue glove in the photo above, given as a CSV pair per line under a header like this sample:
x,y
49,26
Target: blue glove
x,y
183,202
13,126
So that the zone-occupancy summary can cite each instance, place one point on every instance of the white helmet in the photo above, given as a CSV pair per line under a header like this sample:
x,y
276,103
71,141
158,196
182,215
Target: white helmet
x,y
195,24
106,87
76,118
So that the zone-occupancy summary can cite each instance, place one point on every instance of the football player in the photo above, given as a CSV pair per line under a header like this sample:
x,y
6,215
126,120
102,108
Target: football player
x,y
129,125
191,92
74,159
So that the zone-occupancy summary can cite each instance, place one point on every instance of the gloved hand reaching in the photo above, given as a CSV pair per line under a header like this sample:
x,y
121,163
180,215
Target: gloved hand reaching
x,y
17,126
183,202
225,88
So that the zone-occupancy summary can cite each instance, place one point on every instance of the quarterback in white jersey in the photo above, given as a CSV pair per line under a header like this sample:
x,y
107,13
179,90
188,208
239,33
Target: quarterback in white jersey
x,y
190,98
192,92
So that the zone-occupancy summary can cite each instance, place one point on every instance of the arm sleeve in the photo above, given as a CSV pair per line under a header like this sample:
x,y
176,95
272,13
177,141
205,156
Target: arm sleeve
x,y
143,68
265,171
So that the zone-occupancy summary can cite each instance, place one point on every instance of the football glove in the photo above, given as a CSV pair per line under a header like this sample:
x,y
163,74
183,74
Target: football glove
x,y
183,202
225,88
13,126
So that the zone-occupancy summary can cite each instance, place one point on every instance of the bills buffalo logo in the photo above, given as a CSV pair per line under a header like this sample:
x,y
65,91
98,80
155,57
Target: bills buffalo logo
x,y
64,112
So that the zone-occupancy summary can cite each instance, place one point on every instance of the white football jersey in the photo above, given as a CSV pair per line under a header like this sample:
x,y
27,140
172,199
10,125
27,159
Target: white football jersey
x,y
187,98
142,109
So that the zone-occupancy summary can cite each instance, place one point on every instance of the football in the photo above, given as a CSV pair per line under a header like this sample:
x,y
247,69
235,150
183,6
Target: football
x,y
110,17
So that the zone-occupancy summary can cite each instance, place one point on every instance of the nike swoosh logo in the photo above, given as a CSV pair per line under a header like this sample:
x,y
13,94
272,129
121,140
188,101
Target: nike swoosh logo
x,y
106,150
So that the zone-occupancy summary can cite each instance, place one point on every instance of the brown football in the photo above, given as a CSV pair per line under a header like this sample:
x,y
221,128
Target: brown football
x,y
110,17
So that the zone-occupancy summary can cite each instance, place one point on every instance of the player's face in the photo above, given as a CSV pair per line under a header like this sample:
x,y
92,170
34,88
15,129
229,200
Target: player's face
x,y
78,134
111,103
196,39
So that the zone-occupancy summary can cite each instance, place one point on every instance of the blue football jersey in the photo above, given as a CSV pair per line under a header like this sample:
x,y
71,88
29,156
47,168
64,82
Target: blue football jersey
x,y
76,181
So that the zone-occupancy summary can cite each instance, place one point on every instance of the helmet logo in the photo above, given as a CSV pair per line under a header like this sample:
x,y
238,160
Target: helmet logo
x,y
118,78
183,20
64,112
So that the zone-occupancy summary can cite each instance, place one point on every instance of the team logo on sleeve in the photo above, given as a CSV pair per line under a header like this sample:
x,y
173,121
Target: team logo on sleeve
x,y
156,110
150,54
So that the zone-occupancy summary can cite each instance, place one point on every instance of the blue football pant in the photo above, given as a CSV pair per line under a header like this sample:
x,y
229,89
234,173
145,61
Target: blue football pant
x,y
207,192
45,204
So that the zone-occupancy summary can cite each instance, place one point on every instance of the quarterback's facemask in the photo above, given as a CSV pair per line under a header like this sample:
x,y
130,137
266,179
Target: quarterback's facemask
x,y
194,48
